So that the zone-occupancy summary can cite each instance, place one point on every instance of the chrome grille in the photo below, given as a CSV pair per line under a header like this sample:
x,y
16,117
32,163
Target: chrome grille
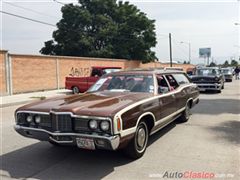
x,y
61,122
45,121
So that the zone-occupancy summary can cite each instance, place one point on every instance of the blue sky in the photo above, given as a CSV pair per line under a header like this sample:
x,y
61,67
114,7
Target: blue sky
x,y
203,24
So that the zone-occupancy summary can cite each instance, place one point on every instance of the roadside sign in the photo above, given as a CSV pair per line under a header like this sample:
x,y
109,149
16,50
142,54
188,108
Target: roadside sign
x,y
204,52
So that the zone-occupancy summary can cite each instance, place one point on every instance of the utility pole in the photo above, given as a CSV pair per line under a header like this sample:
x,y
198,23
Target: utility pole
x,y
170,48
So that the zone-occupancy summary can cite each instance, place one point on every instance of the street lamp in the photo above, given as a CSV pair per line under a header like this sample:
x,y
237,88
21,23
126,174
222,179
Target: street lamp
x,y
189,50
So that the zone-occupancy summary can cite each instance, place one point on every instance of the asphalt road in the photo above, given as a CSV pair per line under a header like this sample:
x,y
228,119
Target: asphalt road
x,y
208,143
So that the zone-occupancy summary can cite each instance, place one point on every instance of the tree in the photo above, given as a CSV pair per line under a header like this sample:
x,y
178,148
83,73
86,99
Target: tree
x,y
234,63
226,64
103,28
212,64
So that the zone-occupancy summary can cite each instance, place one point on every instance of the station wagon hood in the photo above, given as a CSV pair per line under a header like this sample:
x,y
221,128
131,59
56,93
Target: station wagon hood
x,y
92,104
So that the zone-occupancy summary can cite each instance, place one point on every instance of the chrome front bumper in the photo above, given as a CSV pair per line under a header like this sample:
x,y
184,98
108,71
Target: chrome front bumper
x,y
214,86
228,77
110,142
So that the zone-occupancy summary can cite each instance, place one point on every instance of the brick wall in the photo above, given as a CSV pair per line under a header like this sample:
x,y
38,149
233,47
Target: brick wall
x,y
35,73
82,66
3,85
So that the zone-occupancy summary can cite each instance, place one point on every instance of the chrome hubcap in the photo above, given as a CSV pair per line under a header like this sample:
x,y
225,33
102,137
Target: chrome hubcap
x,y
141,137
75,90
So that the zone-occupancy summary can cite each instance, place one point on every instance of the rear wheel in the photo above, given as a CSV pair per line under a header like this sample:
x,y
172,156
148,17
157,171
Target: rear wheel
x,y
185,114
137,147
75,90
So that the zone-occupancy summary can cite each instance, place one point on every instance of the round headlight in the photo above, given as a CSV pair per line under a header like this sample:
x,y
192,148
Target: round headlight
x,y
93,124
29,118
37,119
104,125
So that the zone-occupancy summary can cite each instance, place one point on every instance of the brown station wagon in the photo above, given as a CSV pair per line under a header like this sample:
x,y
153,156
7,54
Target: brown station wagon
x,y
120,111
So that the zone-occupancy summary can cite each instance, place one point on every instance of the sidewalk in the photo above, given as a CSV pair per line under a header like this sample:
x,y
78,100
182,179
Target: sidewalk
x,y
28,97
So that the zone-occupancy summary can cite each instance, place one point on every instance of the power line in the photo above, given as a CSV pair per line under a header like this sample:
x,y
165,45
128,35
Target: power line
x,y
37,12
45,23
178,49
29,19
59,2
177,43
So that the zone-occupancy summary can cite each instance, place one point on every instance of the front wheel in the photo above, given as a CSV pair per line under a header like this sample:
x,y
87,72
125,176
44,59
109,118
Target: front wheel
x,y
137,147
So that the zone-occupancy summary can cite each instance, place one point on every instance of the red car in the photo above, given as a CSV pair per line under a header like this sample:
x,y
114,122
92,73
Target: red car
x,y
82,84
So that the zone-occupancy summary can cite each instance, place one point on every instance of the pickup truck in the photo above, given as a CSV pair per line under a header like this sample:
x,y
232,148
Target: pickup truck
x,y
82,84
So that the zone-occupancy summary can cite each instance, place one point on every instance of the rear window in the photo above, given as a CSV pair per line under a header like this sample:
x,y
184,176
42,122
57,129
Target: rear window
x,y
181,78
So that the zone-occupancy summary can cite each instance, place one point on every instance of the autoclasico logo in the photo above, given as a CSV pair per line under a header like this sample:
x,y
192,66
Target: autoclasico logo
x,y
185,174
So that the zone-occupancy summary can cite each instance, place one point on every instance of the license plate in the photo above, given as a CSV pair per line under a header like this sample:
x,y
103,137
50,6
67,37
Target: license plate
x,y
85,143
202,89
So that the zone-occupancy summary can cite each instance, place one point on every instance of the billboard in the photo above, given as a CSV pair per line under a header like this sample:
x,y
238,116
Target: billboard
x,y
204,52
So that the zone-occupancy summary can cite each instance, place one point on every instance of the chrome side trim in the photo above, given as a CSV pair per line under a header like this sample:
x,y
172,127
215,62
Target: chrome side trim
x,y
156,130
133,129
210,84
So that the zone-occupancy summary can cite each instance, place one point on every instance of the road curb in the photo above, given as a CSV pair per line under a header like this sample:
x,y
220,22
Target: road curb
x,y
14,103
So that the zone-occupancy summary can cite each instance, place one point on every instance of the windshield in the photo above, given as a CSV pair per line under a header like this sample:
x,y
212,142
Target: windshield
x,y
106,71
226,71
124,83
205,72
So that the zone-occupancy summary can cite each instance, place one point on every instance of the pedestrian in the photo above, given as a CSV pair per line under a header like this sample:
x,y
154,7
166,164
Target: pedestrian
x,y
236,72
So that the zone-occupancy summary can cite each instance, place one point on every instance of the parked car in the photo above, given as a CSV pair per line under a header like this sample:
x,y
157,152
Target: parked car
x,y
227,73
208,78
120,111
82,84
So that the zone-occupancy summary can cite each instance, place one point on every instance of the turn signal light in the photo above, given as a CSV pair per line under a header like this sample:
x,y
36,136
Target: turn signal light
x,y
118,124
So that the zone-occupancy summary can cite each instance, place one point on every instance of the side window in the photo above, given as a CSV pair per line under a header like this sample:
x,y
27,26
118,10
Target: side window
x,y
96,73
173,83
162,85
181,78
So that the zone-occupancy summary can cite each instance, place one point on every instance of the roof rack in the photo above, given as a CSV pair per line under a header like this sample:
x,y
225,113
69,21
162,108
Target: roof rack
x,y
174,68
